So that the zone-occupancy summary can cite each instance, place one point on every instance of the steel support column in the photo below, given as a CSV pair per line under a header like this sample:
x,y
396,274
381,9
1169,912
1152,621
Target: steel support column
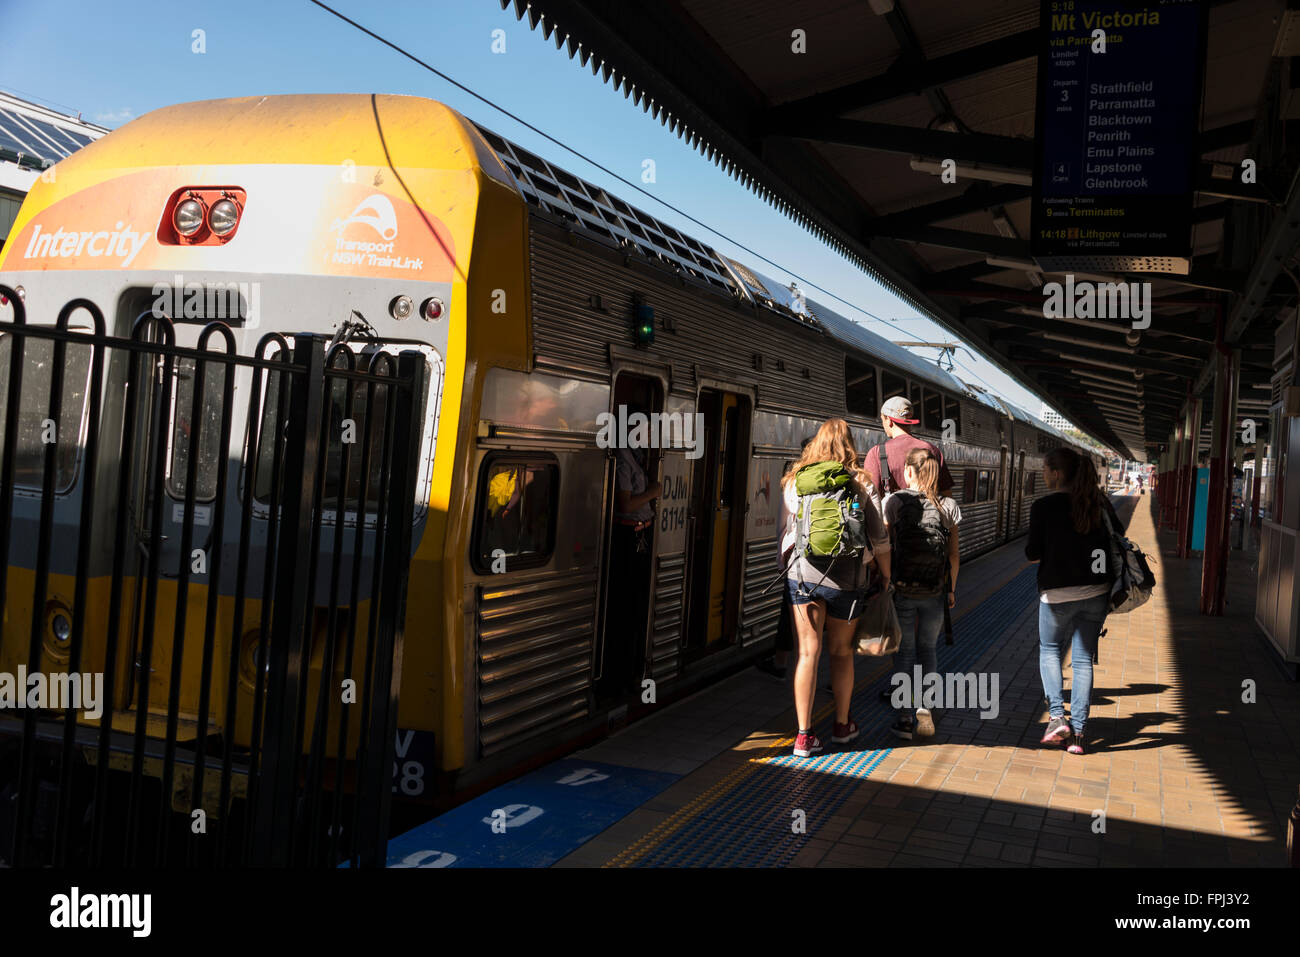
x,y
1187,479
1214,562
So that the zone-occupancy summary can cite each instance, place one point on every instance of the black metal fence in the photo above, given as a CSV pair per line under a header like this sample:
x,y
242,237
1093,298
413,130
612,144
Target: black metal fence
x,y
238,597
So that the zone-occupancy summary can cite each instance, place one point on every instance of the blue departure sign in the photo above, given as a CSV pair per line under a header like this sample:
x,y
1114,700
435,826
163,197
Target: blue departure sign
x,y
1117,134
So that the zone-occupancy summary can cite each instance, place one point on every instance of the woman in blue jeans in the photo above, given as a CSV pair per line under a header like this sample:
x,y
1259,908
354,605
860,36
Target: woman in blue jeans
x,y
925,547
1069,540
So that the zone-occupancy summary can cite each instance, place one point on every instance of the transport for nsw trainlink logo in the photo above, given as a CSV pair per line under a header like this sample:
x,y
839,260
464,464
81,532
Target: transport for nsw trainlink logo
x,y
377,214
375,211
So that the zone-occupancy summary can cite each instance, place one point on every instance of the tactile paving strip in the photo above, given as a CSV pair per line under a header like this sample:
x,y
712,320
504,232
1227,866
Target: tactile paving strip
x,y
748,819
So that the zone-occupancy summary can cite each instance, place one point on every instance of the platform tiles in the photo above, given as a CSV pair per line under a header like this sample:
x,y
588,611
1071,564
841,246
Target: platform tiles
x,y
765,811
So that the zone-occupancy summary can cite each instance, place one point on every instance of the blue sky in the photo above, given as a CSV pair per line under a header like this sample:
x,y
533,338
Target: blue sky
x,y
115,61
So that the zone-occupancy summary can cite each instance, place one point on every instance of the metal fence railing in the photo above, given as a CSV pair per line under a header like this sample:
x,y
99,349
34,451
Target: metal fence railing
x,y
211,551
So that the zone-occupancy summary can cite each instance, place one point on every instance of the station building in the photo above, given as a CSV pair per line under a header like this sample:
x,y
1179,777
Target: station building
x,y
32,139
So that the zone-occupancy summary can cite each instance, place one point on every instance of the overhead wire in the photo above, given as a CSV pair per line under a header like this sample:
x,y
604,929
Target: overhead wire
x,y
892,326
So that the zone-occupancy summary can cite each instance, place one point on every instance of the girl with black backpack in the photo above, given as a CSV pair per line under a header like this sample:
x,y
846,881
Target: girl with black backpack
x,y
923,534
827,495
1069,540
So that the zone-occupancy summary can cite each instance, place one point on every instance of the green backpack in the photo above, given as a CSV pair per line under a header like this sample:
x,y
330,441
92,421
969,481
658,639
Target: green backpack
x,y
829,520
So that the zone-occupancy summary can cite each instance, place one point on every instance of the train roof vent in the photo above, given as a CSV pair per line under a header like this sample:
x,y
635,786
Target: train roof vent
x,y
588,207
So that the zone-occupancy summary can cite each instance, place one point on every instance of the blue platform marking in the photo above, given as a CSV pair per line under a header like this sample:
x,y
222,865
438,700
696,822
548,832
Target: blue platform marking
x,y
547,815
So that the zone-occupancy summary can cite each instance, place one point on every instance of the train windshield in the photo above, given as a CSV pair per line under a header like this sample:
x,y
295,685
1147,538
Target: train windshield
x,y
36,430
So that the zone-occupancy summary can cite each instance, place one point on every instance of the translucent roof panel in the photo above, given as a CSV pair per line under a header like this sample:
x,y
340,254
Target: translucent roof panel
x,y
9,141
35,137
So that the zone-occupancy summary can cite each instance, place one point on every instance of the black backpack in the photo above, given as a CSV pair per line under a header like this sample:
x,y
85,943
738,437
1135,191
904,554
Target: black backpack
x,y
920,547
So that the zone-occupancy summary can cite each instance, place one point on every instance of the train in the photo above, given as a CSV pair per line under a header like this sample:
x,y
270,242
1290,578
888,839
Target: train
x,y
540,303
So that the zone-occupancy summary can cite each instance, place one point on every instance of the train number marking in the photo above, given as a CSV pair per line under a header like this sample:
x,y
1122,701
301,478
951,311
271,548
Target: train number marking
x,y
671,519
582,776
427,859
411,772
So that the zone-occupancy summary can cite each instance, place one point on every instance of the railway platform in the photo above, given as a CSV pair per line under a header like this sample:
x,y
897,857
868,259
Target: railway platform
x,y
1193,757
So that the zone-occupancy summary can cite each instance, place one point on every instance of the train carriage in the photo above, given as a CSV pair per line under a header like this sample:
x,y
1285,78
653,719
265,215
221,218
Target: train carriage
x,y
539,305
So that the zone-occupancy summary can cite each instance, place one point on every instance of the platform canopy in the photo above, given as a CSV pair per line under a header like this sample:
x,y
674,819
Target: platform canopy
x,y
848,135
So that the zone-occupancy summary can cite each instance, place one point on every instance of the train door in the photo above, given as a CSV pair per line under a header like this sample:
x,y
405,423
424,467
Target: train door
x,y
631,539
719,501
1002,532
1018,492
144,559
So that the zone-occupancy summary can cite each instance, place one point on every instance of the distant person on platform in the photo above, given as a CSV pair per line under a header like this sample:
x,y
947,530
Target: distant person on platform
x,y
895,415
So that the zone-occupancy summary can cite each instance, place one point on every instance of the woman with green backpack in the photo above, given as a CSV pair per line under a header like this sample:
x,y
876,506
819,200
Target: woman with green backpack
x,y
835,533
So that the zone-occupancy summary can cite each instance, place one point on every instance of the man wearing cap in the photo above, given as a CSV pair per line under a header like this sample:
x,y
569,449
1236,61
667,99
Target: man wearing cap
x,y
894,415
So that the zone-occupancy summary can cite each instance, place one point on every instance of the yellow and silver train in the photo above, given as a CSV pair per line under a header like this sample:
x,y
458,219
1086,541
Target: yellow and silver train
x,y
540,302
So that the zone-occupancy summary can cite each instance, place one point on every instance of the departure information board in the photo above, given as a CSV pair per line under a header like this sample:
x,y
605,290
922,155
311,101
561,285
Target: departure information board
x,y
1117,135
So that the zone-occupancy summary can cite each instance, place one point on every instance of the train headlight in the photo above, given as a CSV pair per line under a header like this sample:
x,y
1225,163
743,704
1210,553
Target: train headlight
x,y
401,307
58,631
248,661
431,309
223,217
188,218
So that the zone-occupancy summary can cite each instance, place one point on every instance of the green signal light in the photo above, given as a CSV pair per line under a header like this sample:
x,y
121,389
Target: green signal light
x,y
645,325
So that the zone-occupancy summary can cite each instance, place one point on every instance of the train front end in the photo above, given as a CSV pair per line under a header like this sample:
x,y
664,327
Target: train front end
x,y
147,552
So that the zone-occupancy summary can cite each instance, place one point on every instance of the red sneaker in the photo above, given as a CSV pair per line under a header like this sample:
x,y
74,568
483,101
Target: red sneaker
x,y
1076,744
844,733
806,745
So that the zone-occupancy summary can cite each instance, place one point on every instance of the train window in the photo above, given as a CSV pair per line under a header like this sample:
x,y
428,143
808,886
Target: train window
x,y
891,385
366,424
518,497
932,410
363,419
984,491
210,453
34,410
860,387
952,410
1029,483
968,494
915,395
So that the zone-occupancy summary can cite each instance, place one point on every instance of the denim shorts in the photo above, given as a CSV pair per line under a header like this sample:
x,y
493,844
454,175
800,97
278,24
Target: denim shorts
x,y
844,605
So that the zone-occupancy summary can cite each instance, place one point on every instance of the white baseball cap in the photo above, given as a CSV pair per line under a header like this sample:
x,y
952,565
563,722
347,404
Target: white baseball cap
x,y
898,409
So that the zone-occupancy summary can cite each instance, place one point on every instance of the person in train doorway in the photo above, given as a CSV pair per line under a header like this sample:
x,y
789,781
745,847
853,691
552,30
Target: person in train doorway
x,y
895,416
925,553
838,505
775,663
1069,540
630,561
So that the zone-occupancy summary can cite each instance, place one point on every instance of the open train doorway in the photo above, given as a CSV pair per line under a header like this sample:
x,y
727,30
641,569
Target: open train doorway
x,y
719,503
633,483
